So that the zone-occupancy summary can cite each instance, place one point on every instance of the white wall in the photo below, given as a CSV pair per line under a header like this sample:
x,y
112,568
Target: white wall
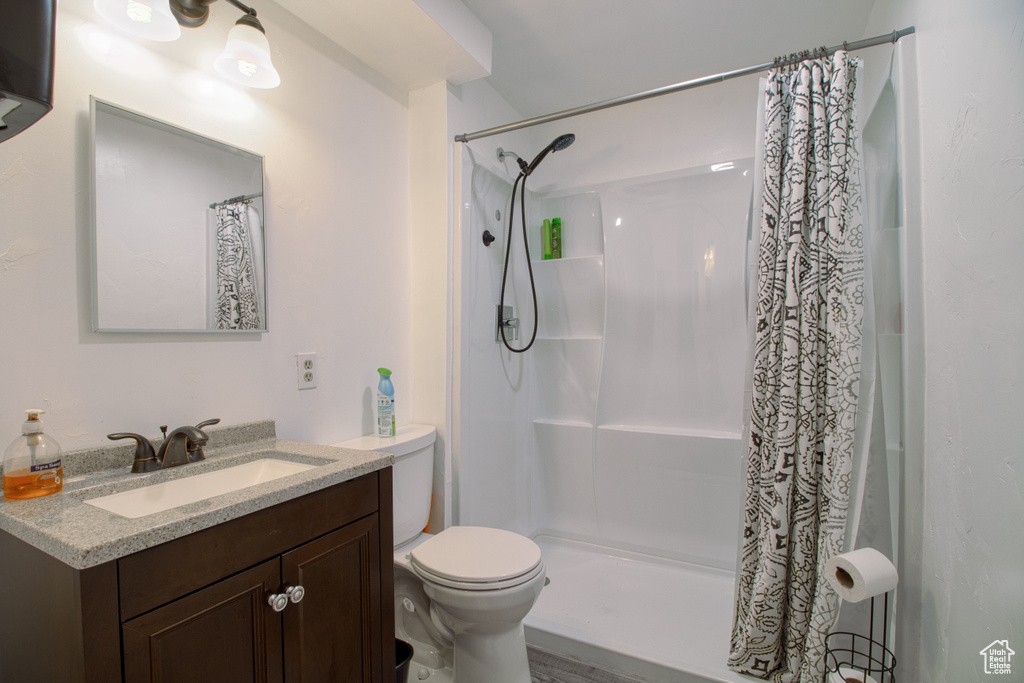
x,y
963,585
430,271
335,138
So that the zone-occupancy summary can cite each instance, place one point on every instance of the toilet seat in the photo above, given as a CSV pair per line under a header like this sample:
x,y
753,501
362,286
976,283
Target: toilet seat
x,y
427,576
477,558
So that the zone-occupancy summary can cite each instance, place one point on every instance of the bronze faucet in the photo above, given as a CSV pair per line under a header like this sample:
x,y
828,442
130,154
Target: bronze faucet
x,y
180,447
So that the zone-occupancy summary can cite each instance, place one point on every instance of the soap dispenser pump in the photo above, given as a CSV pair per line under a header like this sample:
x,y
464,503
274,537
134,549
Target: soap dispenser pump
x,y
32,463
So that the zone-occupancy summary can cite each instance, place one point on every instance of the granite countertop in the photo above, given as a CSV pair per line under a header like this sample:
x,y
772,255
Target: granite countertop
x,y
83,535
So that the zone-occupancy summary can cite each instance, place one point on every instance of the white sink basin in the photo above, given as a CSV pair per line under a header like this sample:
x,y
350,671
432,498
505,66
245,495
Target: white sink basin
x,y
170,494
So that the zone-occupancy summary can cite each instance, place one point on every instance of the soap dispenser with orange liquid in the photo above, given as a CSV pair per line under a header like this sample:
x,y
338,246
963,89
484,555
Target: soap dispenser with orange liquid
x,y
32,463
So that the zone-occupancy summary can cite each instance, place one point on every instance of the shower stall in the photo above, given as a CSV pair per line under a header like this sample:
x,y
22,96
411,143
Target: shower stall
x,y
616,442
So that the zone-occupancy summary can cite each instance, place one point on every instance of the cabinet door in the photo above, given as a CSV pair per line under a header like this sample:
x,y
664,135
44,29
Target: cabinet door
x,y
226,633
333,634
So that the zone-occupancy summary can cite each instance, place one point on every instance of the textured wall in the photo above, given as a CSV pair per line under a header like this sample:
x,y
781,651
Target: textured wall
x,y
964,504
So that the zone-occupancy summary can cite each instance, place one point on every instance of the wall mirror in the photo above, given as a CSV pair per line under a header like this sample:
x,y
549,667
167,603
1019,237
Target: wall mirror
x,y
178,229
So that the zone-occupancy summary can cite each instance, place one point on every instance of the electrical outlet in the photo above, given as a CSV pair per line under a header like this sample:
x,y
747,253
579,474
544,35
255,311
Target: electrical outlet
x,y
307,370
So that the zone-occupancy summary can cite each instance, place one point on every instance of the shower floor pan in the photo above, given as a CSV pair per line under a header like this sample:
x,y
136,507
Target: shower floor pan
x,y
652,619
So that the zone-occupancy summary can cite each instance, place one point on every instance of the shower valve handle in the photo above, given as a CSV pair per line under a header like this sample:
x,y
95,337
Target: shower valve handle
x,y
504,322
513,325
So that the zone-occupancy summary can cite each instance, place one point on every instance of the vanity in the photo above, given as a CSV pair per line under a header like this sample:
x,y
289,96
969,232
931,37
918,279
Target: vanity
x,y
285,580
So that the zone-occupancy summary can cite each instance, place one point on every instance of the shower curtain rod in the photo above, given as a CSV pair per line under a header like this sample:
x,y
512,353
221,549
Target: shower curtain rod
x,y
233,200
686,85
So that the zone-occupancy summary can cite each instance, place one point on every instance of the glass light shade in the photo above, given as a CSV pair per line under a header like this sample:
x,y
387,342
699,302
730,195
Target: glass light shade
x,y
149,19
246,59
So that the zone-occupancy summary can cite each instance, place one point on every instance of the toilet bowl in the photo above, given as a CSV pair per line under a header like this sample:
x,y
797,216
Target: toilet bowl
x,y
460,595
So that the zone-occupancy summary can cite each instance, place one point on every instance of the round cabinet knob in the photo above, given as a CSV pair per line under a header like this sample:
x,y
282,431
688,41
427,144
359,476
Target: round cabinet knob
x,y
278,601
296,593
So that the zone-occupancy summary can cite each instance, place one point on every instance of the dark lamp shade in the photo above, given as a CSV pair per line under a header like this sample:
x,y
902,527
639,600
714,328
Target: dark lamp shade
x,y
26,64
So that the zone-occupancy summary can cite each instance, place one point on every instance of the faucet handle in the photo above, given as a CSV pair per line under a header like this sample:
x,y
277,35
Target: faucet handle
x,y
195,445
145,456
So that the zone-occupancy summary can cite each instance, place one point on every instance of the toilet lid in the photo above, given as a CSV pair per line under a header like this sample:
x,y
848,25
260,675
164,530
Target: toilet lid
x,y
472,554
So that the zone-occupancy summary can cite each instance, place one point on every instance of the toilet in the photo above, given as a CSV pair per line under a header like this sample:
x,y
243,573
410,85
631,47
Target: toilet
x,y
460,595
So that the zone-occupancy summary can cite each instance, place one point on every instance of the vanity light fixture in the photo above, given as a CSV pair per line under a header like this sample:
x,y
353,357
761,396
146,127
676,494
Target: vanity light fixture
x,y
246,57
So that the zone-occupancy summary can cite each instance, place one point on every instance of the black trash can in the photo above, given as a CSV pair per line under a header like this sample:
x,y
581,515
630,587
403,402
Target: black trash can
x,y
403,656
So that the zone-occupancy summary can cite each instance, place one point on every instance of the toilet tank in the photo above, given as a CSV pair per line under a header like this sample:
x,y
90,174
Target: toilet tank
x,y
413,474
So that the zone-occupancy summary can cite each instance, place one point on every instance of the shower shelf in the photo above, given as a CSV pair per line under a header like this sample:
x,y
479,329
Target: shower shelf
x,y
570,337
593,257
670,431
563,423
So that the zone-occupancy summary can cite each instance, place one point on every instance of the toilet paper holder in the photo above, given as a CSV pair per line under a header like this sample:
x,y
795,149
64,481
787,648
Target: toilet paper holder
x,y
855,658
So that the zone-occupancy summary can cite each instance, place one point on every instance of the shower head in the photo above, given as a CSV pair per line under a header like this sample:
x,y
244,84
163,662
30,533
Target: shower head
x,y
557,145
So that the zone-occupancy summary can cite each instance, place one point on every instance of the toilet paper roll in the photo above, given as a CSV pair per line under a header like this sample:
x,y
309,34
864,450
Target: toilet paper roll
x,y
861,574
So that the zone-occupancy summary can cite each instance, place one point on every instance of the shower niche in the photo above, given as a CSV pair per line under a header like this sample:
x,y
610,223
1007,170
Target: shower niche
x,y
566,359
570,301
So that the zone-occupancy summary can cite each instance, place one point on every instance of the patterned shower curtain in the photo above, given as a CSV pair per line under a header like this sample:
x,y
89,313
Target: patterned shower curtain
x,y
237,306
806,372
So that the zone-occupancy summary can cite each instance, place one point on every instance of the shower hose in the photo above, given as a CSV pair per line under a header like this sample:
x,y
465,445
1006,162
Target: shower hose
x,y
529,265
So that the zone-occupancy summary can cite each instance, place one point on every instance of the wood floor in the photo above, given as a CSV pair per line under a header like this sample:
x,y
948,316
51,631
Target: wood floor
x,y
546,667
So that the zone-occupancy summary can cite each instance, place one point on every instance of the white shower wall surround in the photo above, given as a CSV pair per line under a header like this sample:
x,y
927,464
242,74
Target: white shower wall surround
x,y
637,384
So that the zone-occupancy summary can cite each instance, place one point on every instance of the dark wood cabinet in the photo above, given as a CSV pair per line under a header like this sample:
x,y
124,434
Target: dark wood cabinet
x,y
328,636
225,632
196,608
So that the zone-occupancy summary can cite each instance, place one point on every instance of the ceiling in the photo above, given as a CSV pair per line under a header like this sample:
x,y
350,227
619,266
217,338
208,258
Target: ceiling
x,y
550,55
412,43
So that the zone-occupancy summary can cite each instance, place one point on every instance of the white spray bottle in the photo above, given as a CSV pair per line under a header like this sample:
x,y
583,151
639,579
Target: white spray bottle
x,y
385,404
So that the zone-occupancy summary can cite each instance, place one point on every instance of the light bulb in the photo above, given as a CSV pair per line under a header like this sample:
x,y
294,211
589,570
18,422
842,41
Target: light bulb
x,y
140,12
248,69
149,19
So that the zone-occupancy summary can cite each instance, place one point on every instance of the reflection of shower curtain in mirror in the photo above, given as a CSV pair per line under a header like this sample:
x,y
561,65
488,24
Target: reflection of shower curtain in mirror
x,y
237,305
